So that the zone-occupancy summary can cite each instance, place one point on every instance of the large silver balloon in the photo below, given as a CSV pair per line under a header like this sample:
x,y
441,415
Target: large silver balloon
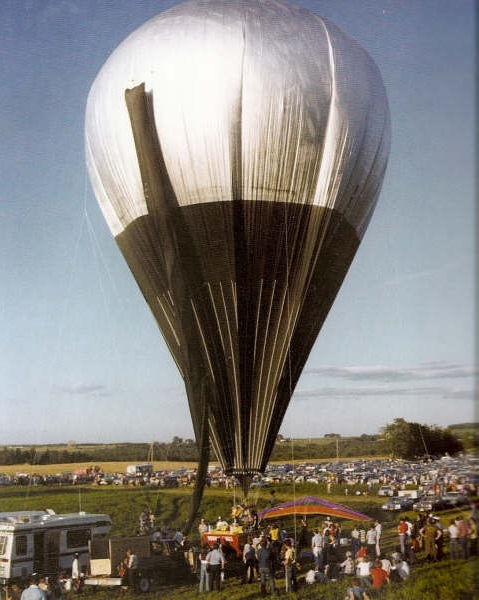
x,y
237,150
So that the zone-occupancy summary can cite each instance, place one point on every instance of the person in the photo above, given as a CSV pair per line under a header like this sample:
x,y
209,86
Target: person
x,y
363,570
178,538
13,592
439,542
264,555
202,528
371,538
378,575
317,548
430,533
385,564
453,533
221,524
54,589
356,591
249,560
355,542
33,591
303,535
275,535
463,536
131,568
400,569
402,532
76,571
215,562
347,566
288,561
379,530
204,585
188,553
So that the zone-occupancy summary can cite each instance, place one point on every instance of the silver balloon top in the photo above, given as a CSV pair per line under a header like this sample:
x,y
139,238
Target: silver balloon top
x,y
263,88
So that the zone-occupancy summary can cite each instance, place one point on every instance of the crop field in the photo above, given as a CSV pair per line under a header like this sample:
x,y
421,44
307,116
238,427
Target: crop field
x,y
446,580
107,467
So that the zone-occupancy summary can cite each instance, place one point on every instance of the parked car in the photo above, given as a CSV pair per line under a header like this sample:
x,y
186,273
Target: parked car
x,y
386,490
428,504
399,503
453,499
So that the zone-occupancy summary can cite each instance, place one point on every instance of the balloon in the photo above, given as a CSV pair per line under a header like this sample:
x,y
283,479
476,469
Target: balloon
x,y
237,150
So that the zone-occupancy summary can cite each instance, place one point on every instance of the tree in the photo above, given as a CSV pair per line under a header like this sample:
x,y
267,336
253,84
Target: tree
x,y
402,439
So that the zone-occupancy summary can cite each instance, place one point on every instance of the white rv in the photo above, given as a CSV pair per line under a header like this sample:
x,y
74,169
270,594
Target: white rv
x,y
40,541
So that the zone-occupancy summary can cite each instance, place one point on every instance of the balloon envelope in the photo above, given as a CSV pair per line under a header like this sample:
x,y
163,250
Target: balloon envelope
x,y
237,150
311,505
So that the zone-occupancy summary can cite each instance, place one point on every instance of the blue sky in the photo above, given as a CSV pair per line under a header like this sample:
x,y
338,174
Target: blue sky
x,y
81,357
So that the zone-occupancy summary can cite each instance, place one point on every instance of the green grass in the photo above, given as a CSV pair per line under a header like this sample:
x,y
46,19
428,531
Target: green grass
x,y
447,580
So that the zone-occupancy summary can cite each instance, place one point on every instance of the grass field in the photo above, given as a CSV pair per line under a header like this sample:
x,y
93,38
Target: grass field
x,y
447,580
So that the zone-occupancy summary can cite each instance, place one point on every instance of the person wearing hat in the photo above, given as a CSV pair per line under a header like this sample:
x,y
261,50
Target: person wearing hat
x,y
33,591
202,527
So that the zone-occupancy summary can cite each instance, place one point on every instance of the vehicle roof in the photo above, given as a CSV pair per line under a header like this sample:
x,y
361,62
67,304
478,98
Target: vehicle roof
x,y
27,518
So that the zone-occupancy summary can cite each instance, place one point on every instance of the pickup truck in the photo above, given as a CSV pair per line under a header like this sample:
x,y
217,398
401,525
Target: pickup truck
x,y
107,555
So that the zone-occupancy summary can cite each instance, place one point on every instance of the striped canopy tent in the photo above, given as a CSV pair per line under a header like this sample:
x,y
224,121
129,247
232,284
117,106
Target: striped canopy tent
x,y
311,505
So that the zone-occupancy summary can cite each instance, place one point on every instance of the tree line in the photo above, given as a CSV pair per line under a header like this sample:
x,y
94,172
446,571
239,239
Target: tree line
x,y
400,439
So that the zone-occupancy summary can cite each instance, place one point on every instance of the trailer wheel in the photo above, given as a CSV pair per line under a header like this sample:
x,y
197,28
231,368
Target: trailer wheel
x,y
144,584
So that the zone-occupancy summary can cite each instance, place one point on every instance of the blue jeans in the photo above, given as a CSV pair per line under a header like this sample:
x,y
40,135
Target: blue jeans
x,y
204,578
264,575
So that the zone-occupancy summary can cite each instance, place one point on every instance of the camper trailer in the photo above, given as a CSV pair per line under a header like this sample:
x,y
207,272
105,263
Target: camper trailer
x,y
40,541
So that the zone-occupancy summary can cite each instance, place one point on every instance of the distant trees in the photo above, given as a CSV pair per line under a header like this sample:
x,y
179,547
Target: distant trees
x,y
400,439
403,439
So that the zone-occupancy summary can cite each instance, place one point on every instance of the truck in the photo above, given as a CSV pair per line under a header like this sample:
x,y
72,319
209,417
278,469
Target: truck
x,y
161,566
43,542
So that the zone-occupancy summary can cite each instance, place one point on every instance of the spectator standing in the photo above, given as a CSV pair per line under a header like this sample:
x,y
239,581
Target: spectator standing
x,y
264,555
249,560
371,540
204,578
131,568
33,592
402,532
453,533
463,533
430,533
379,531
303,535
76,570
439,540
355,542
317,548
288,566
215,562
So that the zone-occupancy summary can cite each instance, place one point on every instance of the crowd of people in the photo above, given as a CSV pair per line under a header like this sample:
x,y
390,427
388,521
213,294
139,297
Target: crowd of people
x,y
271,553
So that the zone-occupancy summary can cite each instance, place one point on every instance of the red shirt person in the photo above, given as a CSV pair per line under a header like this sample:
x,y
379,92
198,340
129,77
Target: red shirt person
x,y
378,574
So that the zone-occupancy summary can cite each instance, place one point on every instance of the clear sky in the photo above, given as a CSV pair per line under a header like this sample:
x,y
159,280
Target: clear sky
x,y
81,357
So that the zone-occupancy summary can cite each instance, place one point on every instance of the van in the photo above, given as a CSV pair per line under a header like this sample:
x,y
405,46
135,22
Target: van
x,y
43,542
